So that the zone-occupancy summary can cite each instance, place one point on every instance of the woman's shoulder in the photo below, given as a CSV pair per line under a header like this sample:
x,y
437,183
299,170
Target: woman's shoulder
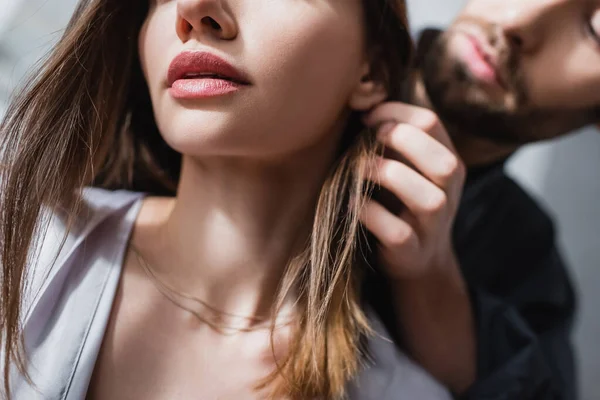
x,y
98,206
58,239
70,286
104,200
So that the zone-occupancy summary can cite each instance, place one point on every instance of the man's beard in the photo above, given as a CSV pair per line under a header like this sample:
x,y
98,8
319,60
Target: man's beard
x,y
461,102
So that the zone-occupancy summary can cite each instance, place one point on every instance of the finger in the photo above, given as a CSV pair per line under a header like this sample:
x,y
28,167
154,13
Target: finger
x,y
433,159
419,117
389,229
421,197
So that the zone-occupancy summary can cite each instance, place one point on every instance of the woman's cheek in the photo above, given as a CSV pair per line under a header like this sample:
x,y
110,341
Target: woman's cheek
x,y
157,37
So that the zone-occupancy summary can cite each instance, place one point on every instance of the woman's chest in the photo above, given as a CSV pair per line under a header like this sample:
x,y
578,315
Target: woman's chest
x,y
154,350
178,376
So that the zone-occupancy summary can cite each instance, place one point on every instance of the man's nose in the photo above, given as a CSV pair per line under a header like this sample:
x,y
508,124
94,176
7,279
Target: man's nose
x,y
525,22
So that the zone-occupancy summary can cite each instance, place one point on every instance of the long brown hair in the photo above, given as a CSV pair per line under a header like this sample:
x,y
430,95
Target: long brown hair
x,y
85,119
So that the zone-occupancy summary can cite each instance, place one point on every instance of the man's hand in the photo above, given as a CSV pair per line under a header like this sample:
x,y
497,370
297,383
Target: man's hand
x,y
430,298
418,239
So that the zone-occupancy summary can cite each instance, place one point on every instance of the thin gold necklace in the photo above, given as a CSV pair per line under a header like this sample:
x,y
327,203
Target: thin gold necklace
x,y
170,293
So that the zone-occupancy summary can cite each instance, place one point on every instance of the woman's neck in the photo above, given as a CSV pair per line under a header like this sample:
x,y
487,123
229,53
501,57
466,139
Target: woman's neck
x,y
234,225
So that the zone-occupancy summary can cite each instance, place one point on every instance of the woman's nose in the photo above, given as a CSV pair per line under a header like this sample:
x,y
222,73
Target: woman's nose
x,y
205,17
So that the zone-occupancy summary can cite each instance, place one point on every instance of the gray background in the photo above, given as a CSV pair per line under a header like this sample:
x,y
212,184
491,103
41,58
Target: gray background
x,y
563,175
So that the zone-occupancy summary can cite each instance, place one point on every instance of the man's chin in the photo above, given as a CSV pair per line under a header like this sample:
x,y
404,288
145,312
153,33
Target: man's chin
x,y
477,96
483,124
474,112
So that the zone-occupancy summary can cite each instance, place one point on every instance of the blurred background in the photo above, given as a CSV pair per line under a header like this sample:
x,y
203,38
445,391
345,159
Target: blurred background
x,y
563,175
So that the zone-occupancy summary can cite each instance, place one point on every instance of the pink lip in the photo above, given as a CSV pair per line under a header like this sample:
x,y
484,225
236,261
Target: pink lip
x,y
196,75
480,64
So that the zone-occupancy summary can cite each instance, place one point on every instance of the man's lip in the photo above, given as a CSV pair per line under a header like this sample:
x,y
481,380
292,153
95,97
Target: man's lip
x,y
195,64
488,55
491,57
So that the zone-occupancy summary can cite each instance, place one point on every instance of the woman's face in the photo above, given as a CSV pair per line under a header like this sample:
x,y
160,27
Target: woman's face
x,y
294,70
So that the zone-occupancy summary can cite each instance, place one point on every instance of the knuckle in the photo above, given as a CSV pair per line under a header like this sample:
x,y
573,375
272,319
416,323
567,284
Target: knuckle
x,y
399,236
427,120
461,170
387,171
436,203
398,135
451,167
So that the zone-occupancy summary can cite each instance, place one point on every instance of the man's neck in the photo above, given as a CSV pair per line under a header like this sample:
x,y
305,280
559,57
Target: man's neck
x,y
473,150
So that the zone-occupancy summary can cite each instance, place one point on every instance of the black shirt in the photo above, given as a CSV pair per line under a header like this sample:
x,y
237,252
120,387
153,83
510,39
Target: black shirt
x,y
522,295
